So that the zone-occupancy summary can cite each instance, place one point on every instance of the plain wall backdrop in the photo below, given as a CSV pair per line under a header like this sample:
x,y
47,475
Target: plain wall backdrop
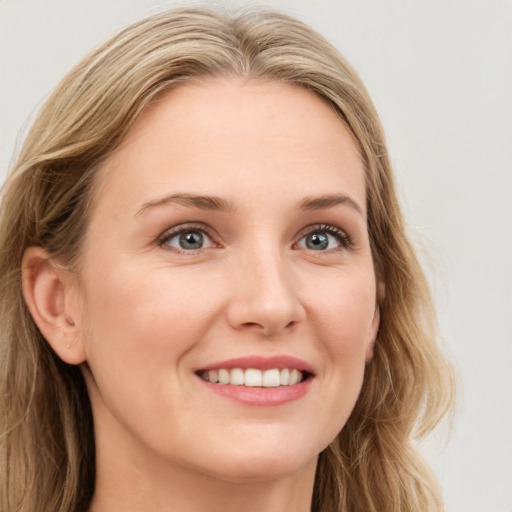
x,y
440,73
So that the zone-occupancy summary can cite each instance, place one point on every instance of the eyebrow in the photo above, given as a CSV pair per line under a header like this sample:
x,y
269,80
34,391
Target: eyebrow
x,y
328,201
216,203
211,203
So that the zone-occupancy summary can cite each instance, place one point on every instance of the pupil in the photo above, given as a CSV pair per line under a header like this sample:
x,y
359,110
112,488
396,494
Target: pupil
x,y
191,240
317,241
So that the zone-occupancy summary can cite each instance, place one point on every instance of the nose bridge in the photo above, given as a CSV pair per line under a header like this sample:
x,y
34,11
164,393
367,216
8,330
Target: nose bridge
x,y
265,297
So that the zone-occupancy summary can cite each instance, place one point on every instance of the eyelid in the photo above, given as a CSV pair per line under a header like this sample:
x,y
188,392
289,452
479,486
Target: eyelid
x,y
183,228
343,237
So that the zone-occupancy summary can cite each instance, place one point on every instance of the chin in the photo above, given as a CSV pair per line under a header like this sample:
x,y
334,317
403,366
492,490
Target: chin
x,y
253,471
263,464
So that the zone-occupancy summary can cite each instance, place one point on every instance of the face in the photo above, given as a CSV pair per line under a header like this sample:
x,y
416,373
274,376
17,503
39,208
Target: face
x,y
228,242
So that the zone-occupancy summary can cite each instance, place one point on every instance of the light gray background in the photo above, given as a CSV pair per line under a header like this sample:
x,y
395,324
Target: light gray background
x,y
440,72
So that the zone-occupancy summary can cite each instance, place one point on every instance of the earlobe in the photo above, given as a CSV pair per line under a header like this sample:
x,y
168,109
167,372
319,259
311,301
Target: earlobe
x,y
48,292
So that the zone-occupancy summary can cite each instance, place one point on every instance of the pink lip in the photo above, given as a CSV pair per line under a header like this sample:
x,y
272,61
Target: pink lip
x,y
262,363
261,396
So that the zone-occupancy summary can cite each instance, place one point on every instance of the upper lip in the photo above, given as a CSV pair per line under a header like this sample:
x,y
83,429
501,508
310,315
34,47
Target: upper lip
x,y
261,362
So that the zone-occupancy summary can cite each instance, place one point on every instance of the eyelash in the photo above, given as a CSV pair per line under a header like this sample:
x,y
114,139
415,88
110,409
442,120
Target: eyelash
x,y
184,228
343,238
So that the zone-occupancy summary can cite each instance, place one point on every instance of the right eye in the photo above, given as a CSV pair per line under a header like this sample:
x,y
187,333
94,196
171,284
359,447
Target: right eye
x,y
187,239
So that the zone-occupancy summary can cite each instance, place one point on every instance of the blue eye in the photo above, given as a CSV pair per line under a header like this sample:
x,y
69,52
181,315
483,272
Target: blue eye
x,y
188,239
324,239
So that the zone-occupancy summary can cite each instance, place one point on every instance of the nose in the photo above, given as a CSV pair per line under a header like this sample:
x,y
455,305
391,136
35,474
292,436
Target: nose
x,y
264,296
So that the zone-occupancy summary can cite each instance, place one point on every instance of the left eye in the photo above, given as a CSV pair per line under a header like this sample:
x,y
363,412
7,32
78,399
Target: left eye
x,y
188,240
320,240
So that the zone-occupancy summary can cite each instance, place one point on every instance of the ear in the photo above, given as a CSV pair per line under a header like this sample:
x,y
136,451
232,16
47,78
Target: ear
x,y
51,297
374,329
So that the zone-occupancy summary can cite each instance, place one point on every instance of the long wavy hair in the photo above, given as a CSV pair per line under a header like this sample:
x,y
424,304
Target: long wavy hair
x,y
47,446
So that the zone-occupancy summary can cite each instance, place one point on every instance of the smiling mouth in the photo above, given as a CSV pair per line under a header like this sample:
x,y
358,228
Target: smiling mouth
x,y
253,377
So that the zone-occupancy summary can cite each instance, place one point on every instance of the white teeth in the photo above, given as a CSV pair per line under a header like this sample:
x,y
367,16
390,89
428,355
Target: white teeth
x,y
236,377
223,376
252,377
271,378
295,377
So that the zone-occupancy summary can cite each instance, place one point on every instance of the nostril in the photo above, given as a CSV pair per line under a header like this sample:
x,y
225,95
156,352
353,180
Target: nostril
x,y
253,325
269,328
264,314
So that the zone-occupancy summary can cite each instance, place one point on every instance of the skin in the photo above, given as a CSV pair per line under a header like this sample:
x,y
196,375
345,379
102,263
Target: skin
x,y
143,314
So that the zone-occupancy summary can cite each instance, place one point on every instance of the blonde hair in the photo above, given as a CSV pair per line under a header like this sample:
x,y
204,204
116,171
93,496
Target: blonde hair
x,y
47,440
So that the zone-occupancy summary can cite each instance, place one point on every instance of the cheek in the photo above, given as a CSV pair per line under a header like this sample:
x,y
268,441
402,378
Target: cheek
x,y
140,328
345,318
138,322
145,300
346,314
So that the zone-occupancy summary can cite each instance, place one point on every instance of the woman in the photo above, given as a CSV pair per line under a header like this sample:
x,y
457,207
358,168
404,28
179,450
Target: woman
x,y
209,300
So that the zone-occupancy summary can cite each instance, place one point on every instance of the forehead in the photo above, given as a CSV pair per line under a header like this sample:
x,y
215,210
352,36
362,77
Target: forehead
x,y
223,136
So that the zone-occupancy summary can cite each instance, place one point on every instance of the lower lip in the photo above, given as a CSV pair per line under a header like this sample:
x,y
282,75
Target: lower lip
x,y
259,395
